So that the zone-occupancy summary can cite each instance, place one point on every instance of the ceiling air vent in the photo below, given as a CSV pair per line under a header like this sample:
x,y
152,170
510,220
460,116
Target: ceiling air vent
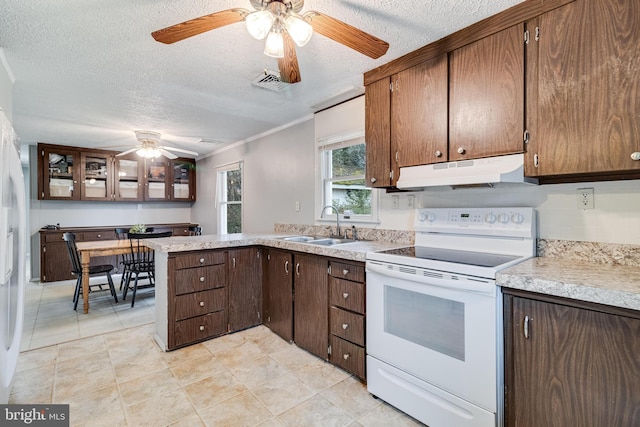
x,y
270,80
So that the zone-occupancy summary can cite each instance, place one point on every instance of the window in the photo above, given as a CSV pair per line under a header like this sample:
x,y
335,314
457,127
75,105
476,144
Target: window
x,y
342,168
229,198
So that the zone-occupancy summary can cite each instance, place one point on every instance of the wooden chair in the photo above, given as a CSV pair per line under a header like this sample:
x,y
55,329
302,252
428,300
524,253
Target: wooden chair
x,y
94,270
195,230
141,262
122,233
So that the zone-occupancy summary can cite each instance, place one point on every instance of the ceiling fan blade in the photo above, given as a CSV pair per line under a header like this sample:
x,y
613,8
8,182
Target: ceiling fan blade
x,y
167,154
179,150
346,34
196,26
124,153
288,65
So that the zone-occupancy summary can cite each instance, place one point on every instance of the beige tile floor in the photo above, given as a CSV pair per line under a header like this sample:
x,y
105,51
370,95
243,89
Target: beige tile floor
x,y
118,376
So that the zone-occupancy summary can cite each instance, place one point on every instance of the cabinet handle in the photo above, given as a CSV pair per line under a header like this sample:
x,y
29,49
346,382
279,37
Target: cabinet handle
x,y
345,272
234,262
461,150
345,295
201,260
345,356
345,326
201,328
635,155
438,153
526,327
99,236
201,303
298,268
286,267
202,278
373,180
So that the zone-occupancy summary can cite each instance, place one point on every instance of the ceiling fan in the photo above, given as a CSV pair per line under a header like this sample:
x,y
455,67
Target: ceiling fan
x,y
150,146
283,27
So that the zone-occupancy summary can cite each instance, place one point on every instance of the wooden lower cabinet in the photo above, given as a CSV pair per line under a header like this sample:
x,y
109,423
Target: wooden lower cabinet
x,y
278,293
347,320
245,288
197,290
311,323
569,363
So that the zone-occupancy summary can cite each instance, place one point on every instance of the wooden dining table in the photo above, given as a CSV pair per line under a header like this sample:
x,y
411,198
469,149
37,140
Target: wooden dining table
x,y
96,249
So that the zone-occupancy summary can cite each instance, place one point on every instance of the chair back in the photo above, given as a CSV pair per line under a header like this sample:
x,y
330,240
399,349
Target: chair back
x,y
195,230
141,257
76,266
121,233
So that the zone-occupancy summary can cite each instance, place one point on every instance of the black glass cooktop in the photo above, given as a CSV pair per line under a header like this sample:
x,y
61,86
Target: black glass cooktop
x,y
479,259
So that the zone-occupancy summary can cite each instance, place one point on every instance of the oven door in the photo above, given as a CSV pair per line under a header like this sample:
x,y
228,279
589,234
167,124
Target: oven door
x,y
438,327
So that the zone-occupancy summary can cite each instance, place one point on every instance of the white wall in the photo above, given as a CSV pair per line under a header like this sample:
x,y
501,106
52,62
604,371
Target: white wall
x,y
6,87
280,169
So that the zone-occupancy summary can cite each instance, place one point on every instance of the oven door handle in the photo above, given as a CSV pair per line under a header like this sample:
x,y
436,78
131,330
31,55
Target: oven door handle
x,y
461,285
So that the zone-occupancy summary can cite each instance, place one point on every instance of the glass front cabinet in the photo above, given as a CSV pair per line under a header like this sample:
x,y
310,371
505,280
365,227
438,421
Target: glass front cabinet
x,y
70,173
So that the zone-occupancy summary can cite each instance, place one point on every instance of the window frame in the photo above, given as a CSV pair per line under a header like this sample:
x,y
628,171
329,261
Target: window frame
x,y
221,203
324,146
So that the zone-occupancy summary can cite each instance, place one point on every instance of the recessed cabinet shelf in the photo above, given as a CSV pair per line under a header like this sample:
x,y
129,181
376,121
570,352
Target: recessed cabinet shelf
x,y
72,173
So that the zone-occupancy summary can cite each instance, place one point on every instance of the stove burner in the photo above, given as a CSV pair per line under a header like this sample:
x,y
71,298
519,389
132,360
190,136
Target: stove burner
x,y
479,259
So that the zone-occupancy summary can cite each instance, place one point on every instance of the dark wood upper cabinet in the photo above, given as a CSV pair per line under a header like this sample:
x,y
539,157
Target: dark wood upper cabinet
x,y
377,97
245,288
568,365
129,178
586,99
486,89
96,176
419,114
58,173
311,300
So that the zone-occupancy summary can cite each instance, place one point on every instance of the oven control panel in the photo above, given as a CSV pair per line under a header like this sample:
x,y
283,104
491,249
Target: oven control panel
x,y
518,221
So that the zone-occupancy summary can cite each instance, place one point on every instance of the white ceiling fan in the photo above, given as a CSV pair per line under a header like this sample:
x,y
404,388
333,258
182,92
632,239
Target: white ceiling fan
x,y
150,146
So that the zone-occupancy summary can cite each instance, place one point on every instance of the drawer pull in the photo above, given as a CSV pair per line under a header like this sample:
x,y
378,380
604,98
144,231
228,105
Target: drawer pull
x,y
201,260
202,279
345,272
345,295
345,326
201,328
345,356
201,303
99,236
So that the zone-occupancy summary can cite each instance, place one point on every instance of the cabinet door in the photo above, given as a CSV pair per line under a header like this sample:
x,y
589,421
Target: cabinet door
x,y
245,288
377,98
588,91
156,178
59,174
96,176
577,367
129,178
486,110
280,294
311,302
419,101
183,180
55,263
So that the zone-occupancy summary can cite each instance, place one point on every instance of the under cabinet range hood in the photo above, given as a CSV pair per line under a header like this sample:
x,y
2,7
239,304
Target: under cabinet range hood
x,y
476,172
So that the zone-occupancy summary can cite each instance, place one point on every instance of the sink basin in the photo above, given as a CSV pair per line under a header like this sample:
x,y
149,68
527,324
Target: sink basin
x,y
298,238
316,240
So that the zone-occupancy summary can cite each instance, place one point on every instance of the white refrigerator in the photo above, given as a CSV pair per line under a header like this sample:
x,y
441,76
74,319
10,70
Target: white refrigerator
x,y
13,238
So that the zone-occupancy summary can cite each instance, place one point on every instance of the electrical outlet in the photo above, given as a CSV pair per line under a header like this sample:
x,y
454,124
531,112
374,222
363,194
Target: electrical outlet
x,y
395,202
585,198
411,201
297,206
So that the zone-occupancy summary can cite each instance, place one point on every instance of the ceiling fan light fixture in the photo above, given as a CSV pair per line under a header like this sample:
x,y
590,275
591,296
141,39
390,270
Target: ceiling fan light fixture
x,y
274,46
299,30
259,23
149,152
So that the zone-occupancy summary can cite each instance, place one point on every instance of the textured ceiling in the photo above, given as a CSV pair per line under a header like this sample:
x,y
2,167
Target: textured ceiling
x,y
88,72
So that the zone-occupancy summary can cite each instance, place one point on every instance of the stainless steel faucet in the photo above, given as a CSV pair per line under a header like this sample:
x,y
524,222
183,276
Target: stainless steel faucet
x,y
337,218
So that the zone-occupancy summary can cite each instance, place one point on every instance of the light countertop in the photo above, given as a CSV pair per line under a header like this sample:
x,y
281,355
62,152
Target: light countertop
x,y
609,284
354,251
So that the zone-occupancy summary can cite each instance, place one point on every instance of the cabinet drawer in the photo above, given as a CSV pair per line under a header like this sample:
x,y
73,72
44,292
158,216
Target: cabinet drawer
x,y
348,356
345,271
53,237
347,325
180,231
91,236
199,328
199,259
199,303
347,295
200,279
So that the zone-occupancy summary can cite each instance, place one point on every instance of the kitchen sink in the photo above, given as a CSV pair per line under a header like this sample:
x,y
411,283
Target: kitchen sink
x,y
299,238
317,240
